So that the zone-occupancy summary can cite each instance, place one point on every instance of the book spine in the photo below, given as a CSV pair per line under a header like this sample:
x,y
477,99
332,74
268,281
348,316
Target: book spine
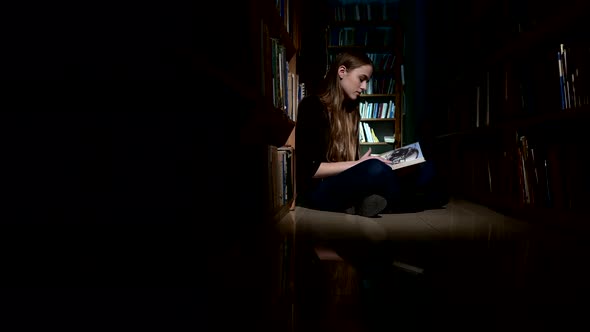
x,y
561,80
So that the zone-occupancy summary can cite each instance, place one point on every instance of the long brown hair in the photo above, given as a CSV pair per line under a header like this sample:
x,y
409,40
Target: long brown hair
x,y
343,113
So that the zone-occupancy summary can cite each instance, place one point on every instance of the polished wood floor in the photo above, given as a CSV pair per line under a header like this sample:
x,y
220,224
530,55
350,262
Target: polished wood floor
x,y
538,283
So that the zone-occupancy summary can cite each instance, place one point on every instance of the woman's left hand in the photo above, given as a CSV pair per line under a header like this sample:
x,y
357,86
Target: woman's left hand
x,y
368,155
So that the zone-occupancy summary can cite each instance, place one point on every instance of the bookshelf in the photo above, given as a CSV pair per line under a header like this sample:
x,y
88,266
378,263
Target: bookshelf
x,y
278,40
261,83
372,26
516,108
255,86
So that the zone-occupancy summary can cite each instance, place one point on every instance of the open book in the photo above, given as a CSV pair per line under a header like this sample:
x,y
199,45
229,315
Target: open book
x,y
407,155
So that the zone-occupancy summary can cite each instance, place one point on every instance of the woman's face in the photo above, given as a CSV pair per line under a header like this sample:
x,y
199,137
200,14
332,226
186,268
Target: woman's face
x,y
354,82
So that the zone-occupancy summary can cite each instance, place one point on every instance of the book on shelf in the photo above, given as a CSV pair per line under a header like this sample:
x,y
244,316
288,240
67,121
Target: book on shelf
x,y
407,155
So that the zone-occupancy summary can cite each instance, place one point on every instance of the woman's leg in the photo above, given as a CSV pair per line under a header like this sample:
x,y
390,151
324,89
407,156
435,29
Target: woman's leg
x,y
344,190
419,189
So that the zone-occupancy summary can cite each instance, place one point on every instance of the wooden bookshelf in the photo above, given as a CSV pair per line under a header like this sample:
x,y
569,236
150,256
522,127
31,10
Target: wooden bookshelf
x,y
560,120
365,23
377,120
377,144
377,95
383,41
282,211
526,160
277,43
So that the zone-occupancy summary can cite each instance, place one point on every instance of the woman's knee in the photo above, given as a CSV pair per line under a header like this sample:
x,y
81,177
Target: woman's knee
x,y
426,173
375,168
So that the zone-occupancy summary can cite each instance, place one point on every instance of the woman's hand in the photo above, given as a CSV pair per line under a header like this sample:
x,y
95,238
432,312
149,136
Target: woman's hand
x,y
367,155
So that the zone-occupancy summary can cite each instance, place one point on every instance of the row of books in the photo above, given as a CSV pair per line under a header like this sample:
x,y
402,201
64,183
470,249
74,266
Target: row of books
x,y
381,85
373,36
285,88
367,134
510,90
534,174
280,71
573,86
281,182
377,110
284,11
367,10
544,178
295,92
382,62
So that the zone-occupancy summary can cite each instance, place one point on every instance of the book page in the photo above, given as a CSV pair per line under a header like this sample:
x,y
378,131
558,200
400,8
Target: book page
x,y
407,155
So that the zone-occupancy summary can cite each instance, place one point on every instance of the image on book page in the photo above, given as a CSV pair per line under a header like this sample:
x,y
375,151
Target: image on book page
x,y
407,155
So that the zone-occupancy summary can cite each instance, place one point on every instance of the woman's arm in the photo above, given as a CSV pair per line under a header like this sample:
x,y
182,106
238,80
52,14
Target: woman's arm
x,y
328,169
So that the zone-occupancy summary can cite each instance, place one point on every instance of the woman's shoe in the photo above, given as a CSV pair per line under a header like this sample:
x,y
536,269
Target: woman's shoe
x,y
370,206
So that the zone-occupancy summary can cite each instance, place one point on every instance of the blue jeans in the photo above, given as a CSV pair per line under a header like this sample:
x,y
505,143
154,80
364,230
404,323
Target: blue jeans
x,y
339,192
